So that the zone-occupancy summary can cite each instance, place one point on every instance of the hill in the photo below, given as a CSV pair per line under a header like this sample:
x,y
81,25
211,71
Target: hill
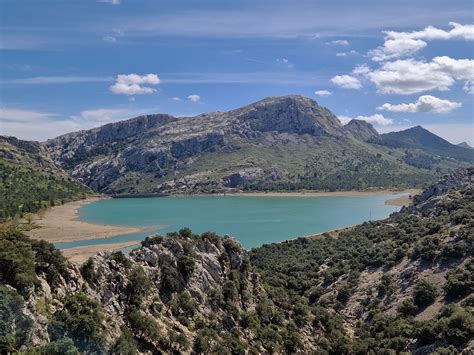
x,y
464,145
279,143
29,179
403,284
421,139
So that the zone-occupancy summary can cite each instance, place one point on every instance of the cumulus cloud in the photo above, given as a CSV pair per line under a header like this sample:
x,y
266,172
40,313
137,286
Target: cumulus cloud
x,y
400,44
323,93
409,76
426,103
176,98
346,82
376,119
134,84
194,98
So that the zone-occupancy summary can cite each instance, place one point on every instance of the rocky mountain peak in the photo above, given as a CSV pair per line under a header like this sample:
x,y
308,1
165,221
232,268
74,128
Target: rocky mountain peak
x,y
291,114
361,130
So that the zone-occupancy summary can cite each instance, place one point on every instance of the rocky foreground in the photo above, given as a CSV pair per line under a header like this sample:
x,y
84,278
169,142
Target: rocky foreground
x,y
403,284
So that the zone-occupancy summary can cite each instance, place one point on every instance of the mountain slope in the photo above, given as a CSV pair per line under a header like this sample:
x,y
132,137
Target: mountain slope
x,y
29,179
403,284
282,143
420,138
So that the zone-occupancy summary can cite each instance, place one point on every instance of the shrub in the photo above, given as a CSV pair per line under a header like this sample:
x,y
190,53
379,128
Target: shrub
x,y
186,266
63,346
124,345
424,293
17,266
459,282
14,325
407,308
81,320
138,287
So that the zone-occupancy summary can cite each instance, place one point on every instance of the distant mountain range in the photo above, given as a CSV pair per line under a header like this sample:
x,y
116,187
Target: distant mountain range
x,y
279,143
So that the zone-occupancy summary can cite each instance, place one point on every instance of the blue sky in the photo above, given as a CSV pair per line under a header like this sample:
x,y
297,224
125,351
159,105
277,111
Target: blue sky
x,y
69,65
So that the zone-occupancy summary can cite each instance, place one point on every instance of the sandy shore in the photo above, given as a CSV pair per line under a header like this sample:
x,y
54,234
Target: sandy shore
x,y
81,254
404,200
62,224
321,194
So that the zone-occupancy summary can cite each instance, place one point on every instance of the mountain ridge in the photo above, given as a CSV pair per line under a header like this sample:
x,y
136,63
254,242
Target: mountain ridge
x,y
278,143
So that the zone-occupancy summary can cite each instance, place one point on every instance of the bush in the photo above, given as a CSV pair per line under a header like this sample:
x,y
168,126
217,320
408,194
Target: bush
x,y
138,287
424,293
62,346
460,282
186,266
407,308
14,326
81,320
124,345
17,261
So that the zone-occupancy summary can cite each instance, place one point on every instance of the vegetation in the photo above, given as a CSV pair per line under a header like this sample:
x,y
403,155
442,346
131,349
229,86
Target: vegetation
x,y
366,290
24,190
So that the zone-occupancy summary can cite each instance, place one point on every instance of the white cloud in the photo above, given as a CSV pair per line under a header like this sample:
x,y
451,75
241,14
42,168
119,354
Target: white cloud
x,y
426,103
344,119
323,93
346,82
111,2
376,119
38,125
339,42
194,98
361,70
133,84
396,48
345,54
400,44
469,87
409,76
19,115
176,98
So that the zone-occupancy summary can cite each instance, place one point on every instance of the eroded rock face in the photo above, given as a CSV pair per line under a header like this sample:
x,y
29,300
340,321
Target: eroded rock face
x,y
156,148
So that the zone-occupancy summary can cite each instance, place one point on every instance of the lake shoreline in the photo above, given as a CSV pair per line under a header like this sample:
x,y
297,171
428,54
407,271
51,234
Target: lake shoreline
x,y
61,224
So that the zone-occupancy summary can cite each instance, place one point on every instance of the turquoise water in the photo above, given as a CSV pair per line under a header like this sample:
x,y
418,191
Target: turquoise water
x,y
253,220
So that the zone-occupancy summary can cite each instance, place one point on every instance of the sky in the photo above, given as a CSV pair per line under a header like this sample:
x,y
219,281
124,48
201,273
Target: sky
x,y
67,65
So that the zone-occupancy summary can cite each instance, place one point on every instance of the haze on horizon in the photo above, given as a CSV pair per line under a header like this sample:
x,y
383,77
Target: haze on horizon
x,y
67,66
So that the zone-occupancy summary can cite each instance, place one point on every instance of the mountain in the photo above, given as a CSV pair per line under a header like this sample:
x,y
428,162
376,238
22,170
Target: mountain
x,y
30,180
422,139
403,284
279,143
465,145
361,130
